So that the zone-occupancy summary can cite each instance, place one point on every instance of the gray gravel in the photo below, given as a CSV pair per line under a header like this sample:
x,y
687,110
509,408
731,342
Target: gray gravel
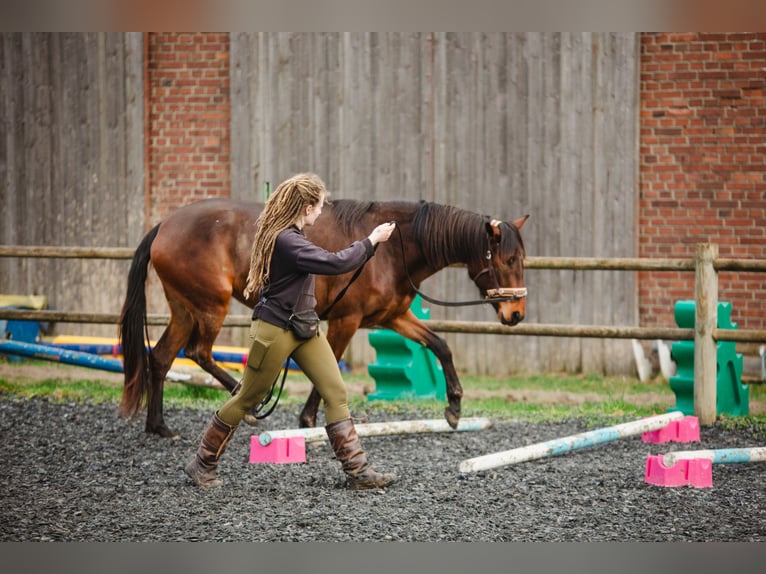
x,y
78,473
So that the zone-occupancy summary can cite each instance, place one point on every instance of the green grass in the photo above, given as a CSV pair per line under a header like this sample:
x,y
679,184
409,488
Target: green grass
x,y
98,391
544,397
565,382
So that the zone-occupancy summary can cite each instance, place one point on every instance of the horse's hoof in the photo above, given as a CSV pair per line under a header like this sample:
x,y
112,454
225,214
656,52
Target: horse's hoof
x,y
452,418
251,420
163,432
306,423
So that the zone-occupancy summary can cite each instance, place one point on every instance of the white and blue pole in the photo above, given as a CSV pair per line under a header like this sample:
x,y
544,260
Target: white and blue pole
x,y
718,456
60,355
567,444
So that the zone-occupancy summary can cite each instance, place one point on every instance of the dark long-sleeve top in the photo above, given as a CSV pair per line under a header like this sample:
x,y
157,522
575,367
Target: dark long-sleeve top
x,y
293,265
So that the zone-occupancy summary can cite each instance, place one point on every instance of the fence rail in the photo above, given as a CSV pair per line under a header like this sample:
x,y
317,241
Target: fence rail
x,y
706,265
478,327
66,252
571,263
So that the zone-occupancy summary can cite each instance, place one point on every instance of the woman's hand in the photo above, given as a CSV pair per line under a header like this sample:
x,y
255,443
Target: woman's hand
x,y
382,232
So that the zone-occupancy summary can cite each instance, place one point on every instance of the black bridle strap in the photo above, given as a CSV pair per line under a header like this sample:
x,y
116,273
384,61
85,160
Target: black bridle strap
x,y
447,303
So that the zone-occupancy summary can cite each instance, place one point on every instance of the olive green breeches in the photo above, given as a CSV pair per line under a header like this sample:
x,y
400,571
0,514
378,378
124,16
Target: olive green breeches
x,y
271,346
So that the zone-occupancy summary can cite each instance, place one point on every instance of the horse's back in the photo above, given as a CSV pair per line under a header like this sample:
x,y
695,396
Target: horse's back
x,y
206,244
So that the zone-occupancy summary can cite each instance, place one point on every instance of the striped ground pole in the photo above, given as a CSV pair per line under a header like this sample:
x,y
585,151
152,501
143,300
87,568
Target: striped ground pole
x,y
567,444
718,456
60,355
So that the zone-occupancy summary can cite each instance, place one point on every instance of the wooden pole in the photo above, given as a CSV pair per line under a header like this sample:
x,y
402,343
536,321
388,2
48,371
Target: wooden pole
x,y
383,429
706,321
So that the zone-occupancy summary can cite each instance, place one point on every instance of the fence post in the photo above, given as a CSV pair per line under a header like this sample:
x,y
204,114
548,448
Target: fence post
x,y
706,320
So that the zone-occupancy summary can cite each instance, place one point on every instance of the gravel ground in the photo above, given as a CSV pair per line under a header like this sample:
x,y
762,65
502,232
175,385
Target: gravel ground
x,y
78,473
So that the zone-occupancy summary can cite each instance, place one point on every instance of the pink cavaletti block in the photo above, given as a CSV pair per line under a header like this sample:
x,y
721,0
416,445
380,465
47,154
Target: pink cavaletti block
x,y
696,472
685,430
279,450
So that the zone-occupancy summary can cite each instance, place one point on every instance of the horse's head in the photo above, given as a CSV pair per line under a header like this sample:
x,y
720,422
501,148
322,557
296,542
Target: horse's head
x,y
500,274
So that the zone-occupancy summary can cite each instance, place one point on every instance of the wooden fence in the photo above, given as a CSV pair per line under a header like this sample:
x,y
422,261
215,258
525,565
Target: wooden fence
x,y
705,334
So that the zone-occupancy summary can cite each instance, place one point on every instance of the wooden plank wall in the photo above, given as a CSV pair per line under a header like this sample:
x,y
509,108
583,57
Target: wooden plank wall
x,y
71,163
503,124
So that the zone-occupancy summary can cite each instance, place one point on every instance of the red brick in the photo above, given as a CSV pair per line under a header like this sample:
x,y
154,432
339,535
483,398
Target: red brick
x,y
712,161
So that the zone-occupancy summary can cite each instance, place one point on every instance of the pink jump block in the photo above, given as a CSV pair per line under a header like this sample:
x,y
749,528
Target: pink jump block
x,y
685,430
279,451
696,472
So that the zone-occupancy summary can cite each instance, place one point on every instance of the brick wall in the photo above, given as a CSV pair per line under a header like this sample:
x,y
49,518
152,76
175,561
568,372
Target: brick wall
x,y
702,165
189,116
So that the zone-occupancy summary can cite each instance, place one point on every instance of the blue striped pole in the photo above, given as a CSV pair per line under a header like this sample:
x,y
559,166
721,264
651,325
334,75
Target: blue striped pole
x,y
563,445
718,456
60,355
66,356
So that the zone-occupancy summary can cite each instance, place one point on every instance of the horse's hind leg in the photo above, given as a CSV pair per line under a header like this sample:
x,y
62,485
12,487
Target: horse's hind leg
x,y
161,358
200,350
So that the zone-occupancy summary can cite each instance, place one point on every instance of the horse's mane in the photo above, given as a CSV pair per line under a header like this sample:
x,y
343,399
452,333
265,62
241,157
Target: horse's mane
x,y
446,234
450,234
348,213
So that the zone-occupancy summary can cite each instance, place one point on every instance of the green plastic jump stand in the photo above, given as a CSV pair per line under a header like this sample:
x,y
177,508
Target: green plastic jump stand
x,y
732,397
403,368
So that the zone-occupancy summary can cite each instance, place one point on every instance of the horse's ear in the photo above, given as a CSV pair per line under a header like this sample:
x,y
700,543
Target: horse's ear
x,y
519,223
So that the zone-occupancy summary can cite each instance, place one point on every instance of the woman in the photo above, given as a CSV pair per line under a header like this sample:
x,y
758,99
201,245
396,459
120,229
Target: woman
x,y
282,268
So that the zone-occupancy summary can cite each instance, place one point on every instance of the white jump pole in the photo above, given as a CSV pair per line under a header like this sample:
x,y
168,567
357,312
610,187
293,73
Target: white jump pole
x,y
381,429
718,456
563,445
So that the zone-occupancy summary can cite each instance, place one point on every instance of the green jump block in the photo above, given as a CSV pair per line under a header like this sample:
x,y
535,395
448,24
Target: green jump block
x,y
732,396
404,369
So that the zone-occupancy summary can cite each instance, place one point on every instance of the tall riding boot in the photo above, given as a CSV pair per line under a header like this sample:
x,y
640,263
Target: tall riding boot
x,y
348,450
202,468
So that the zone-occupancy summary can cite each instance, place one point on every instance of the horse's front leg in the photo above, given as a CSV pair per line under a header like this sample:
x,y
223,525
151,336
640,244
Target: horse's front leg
x,y
339,333
409,326
308,416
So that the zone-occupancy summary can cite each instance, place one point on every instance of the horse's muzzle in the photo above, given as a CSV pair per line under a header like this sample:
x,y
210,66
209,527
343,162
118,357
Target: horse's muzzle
x,y
515,318
515,296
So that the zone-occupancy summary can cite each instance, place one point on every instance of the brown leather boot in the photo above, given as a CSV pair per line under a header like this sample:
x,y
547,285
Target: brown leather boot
x,y
202,468
359,473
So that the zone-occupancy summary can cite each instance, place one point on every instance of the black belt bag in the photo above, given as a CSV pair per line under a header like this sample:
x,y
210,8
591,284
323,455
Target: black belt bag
x,y
305,324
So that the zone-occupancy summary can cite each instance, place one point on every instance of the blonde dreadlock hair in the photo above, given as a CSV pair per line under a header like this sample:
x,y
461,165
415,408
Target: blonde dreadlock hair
x,y
282,210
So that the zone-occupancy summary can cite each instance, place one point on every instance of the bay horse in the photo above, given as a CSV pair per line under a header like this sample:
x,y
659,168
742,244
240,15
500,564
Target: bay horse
x,y
201,254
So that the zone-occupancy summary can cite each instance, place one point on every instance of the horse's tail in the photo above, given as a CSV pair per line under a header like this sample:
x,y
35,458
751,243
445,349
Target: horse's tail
x,y
133,334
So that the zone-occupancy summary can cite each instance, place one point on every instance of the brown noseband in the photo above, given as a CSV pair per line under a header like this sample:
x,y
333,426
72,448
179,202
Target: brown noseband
x,y
507,293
